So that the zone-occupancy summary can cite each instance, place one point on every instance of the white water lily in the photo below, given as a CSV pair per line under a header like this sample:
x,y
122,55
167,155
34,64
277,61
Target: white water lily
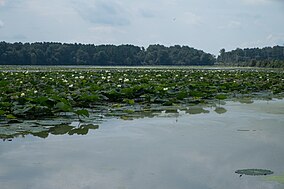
x,y
23,94
35,92
166,88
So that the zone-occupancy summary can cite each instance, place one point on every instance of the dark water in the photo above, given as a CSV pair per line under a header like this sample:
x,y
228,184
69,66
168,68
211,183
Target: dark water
x,y
200,151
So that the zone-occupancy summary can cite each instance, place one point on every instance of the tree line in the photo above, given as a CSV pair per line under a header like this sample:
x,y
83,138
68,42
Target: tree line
x,y
272,57
50,53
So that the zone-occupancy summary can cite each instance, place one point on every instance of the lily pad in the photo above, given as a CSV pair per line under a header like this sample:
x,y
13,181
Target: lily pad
x,y
254,172
220,110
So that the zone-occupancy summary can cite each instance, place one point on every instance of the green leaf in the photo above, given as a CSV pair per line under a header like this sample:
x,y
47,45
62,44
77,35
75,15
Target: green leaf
x,y
2,112
129,101
63,107
10,116
221,97
83,112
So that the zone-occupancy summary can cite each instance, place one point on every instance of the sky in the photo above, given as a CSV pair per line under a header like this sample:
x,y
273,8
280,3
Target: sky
x,y
209,25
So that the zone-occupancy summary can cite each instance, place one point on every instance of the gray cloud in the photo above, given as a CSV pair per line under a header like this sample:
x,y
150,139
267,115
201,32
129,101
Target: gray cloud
x,y
101,12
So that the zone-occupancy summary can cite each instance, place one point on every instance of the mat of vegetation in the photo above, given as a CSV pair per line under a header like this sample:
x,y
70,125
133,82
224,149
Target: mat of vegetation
x,y
70,94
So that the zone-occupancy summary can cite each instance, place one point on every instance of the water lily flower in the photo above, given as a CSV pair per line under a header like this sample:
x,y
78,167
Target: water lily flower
x,y
166,88
71,85
35,92
22,94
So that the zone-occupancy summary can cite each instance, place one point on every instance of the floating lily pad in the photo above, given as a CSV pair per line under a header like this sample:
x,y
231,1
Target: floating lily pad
x,y
254,172
220,110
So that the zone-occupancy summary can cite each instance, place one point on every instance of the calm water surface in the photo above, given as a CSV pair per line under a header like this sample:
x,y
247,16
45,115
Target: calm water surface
x,y
199,151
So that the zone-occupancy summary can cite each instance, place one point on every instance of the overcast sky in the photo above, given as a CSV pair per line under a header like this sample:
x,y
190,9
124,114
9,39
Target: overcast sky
x,y
203,24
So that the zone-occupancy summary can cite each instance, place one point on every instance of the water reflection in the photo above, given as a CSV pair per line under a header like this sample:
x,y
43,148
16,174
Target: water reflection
x,y
63,125
44,132
199,151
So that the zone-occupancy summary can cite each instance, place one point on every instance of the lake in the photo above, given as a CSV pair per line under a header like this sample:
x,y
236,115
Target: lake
x,y
175,150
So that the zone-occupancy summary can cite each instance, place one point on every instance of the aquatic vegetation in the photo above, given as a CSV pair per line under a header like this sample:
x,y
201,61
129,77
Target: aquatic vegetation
x,y
254,172
36,93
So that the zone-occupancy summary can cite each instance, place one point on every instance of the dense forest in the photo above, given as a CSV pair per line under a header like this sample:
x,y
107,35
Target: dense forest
x,y
48,53
272,57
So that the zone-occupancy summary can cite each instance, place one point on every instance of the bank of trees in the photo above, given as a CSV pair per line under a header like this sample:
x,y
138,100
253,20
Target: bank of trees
x,y
272,57
48,53
102,55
